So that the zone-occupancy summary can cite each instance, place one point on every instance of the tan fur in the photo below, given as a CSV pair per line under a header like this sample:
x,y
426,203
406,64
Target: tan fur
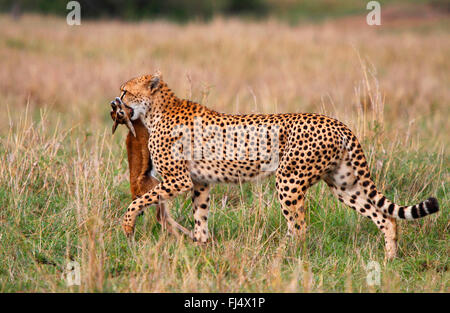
x,y
138,154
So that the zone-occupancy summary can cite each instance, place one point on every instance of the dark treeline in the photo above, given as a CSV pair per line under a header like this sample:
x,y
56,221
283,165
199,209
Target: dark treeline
x,y
184,10
180,10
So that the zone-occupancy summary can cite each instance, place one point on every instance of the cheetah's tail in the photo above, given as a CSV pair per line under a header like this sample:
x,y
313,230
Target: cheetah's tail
x,y
384,205
412,212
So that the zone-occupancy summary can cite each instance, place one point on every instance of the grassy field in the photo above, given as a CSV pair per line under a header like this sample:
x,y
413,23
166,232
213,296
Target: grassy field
x,y
63,177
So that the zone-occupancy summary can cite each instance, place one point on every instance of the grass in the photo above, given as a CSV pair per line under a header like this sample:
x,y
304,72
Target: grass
x,y
63,178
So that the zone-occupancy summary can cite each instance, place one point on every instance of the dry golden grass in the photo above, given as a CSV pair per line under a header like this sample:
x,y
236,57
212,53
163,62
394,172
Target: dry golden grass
x,y
63,178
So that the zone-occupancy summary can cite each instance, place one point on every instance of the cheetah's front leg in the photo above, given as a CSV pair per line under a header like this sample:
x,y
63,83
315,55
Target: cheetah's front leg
x,y
163,191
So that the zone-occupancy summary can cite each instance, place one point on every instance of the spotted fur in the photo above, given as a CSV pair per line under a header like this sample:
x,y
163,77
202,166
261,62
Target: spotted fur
x,y
308,147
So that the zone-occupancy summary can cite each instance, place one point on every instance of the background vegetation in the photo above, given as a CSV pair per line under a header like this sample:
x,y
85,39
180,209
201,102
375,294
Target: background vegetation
x,y
64,179
205,10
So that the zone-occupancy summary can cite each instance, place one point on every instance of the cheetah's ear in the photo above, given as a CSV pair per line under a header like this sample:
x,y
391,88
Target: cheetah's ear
x,y
155,81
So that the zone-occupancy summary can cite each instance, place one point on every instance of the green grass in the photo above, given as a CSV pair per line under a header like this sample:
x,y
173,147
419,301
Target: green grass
x,y
53,217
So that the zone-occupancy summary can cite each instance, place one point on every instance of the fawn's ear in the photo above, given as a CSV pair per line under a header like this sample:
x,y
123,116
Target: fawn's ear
x,y
155,81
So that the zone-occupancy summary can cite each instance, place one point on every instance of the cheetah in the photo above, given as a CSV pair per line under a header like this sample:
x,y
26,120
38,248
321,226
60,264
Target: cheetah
x,y
193,147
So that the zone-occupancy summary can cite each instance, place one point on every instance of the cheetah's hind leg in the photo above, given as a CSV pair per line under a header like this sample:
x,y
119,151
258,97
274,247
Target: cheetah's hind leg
x,y
349,189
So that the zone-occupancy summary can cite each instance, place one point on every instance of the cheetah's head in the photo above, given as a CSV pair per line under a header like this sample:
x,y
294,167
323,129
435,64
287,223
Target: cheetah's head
x,y
135,99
